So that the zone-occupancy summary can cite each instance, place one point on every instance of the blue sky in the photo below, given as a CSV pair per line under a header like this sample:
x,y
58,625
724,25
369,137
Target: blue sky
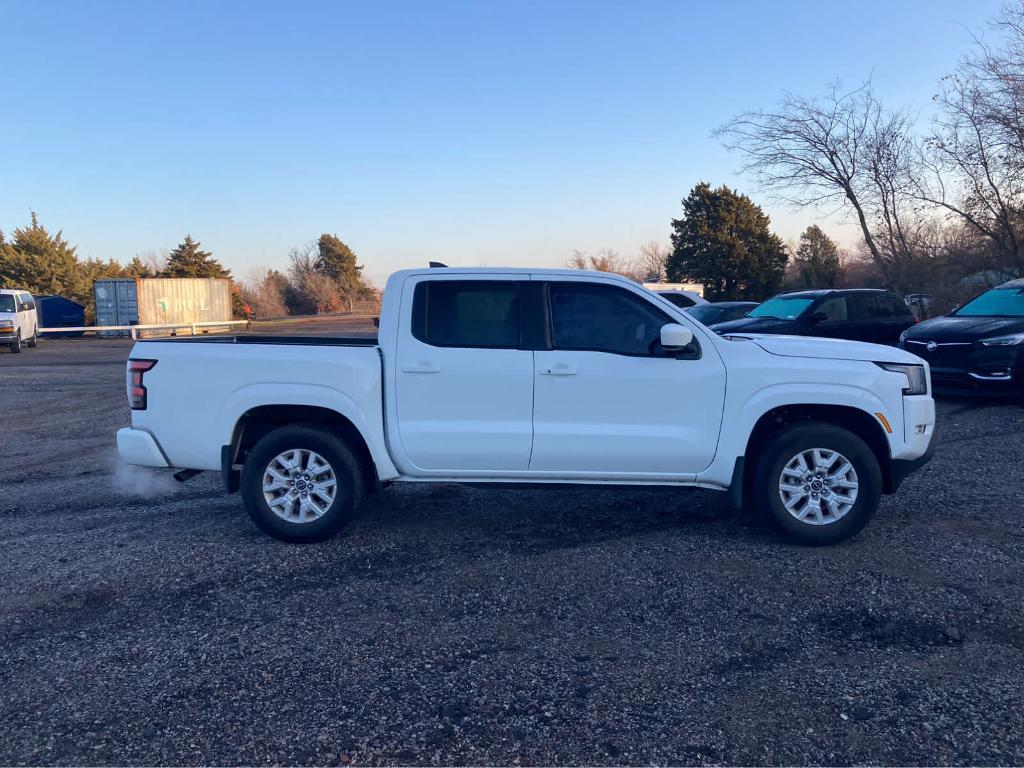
x,y
471,133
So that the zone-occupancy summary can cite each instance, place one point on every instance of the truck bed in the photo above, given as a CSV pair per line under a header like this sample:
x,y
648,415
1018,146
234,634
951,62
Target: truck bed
x,y
312,341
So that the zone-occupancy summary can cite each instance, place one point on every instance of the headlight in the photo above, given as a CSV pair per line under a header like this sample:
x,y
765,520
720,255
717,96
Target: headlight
x,y
1003,341
917,379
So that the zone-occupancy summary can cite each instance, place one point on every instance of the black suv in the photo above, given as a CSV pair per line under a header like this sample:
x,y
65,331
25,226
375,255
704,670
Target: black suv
x,y
978,346
859,314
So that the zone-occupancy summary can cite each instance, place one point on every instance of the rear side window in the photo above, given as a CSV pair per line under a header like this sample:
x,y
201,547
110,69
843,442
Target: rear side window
x,y
466,313
603,318
680,300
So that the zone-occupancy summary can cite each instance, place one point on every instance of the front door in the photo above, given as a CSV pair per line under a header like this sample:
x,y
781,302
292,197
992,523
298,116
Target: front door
x,y
610,400
464,388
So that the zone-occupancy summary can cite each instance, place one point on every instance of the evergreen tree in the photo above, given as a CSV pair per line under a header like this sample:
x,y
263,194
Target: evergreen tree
x,y
189,260
817,259
41,263
724,242
335,260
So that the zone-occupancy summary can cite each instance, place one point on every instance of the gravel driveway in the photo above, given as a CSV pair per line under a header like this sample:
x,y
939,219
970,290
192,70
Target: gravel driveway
x,y
142,621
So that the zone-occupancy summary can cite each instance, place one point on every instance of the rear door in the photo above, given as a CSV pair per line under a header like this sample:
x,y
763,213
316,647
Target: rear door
x,y
610,400
895,317
464,384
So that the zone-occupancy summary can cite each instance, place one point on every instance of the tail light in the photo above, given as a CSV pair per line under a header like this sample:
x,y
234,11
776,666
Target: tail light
x,y
136,389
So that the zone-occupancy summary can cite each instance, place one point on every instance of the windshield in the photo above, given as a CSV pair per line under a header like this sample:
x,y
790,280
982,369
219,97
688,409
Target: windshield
x,y
6,302
781,308
999,302
705,313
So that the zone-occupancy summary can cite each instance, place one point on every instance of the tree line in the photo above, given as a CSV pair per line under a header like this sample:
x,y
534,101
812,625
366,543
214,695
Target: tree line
x,y
324,276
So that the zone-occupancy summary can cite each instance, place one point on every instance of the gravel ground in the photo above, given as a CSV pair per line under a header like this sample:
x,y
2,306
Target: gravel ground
x,y
142,621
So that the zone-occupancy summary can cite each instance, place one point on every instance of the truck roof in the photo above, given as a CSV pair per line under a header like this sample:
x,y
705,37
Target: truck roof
x,y
513,271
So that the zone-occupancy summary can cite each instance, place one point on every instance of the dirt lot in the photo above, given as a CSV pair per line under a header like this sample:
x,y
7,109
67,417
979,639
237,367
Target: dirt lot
x,y
143,621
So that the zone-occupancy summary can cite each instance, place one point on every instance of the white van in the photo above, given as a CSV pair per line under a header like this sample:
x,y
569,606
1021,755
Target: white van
x,y
19,322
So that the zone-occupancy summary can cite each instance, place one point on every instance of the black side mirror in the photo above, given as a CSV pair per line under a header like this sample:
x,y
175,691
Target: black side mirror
x,y
818,317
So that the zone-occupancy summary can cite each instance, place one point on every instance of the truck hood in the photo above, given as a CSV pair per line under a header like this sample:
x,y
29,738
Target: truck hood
x,y
829,349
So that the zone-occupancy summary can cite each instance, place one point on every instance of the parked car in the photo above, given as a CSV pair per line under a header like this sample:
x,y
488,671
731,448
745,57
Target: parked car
x,y
720,311
977,347
857,314
683,299
532,377
19,323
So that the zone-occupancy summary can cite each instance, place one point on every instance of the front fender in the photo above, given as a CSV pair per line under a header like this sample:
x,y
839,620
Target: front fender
x,y
742,417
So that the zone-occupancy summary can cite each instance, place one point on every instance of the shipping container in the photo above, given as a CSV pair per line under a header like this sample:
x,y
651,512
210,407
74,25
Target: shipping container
x,y
60,312
152,300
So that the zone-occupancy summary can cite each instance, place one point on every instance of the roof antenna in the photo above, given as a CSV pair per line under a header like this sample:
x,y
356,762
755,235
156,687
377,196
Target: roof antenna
x,y
436,265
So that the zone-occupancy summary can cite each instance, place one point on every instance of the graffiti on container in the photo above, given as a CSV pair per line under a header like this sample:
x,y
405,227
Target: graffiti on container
x,y
167,305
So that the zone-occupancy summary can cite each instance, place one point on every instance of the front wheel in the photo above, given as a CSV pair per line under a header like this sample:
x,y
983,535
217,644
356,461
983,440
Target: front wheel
x,y
16,344
300,484
819,482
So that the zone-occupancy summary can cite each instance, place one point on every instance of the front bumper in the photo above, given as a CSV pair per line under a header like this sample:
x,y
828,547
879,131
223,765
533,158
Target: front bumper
x,y
6,338
137,446
901,469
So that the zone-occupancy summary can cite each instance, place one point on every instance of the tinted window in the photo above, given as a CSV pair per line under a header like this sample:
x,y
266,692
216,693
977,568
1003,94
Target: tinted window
x,y
834,309
708,313
450,313
999,302
27,302
6,302
604,318
781,308
862,306
680,300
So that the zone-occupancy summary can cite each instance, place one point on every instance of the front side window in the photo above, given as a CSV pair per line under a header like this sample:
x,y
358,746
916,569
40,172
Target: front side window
x,y
603,318
466,313
781,308
833,309
999,302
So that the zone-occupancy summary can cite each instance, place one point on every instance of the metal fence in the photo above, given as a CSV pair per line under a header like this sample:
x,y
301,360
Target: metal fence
x,y
133,330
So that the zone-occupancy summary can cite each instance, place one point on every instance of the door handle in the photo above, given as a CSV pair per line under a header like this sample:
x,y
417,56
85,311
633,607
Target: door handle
x,y
559,370
422,367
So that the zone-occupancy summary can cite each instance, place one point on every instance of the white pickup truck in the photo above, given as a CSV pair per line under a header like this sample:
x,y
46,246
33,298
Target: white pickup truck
x,y
502,376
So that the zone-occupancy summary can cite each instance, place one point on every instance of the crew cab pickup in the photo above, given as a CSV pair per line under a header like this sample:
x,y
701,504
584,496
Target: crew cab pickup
x,y
502,376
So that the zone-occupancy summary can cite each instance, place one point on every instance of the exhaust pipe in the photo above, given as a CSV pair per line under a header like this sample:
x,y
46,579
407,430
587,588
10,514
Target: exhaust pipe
x,y
186,474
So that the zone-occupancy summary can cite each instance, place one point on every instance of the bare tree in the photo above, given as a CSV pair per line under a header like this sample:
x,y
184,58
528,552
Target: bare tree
x,y
843,151
605,260
973,163
651,261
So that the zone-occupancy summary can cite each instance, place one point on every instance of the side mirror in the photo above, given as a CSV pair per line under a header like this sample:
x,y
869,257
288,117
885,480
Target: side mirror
x,y
675,336
818,317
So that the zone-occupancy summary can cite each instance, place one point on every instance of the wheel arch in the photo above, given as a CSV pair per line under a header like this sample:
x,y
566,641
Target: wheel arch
x,y
260,420
861,423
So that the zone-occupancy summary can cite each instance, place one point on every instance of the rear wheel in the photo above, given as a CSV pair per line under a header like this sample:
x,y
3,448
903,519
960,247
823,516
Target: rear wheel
x,y
301,484
820,483
34,341
16,344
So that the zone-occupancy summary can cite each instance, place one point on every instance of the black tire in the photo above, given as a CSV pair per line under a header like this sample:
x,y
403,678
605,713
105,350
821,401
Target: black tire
x,y
16,344
34,341
335,452
784,447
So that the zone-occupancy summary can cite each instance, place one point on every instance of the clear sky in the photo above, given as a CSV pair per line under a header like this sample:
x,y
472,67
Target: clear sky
x,y
471,133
